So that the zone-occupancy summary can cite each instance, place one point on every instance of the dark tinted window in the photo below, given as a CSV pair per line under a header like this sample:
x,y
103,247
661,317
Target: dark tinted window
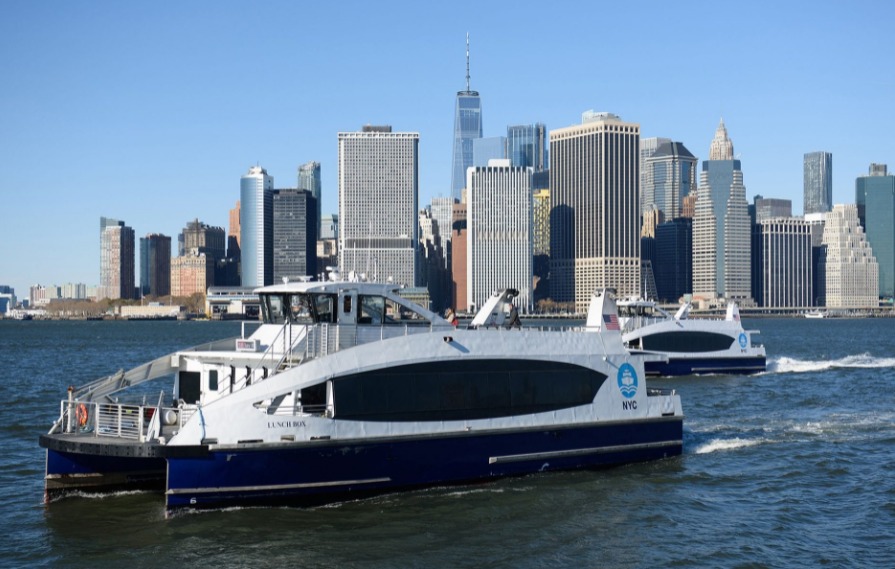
x,y
687,342
463,390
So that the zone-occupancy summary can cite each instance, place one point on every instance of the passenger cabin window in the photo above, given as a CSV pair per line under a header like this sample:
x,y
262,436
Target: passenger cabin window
x,y
213,380
397,313
371,310
299,308
272,309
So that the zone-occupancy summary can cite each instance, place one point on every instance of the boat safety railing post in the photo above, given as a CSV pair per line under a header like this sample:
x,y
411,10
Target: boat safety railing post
x,y
71,390
140,422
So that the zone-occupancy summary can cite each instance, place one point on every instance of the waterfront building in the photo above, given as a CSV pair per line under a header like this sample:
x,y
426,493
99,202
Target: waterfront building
x,y
652,218
770,208
540,241
233,278
294,234
256,228
116,265
674,259
818,182
329,227
648,147
7,299
192,273
499,245
486,149
204,238
721,226
816,222
41,295
309,179
327,256
155,265
458,256
875,198
467,127
595,210
76,291
526,146
850,269
378,204
688,206
783,255
442,209
434,274
669,176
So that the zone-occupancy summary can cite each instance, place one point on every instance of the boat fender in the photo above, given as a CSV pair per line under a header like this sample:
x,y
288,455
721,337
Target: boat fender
x,y
81,412
170,417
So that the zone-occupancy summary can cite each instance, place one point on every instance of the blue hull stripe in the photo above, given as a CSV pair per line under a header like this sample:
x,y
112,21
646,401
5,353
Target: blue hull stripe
x,y
690,366
579,452
314,473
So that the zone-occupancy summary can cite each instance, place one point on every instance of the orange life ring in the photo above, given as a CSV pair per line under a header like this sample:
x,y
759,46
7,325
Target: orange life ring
x,y
82,414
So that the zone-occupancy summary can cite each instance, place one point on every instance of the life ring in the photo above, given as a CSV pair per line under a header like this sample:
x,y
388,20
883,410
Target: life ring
x,y
81,412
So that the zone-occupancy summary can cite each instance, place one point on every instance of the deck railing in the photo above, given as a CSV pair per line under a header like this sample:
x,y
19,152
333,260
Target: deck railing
x,y
119,420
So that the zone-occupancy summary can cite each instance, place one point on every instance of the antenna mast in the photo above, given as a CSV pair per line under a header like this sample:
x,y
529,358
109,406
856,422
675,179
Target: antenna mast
x,y
467,62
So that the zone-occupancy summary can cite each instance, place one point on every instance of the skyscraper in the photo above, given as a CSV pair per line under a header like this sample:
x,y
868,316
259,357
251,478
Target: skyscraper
x,y
378,204
256,227
669,177
769,208
155,265
595,209
784,264
116,266
527,146
294,234
309,179
467,126
498,246
486,149
875,198
198,237
851,272
818,182
674,259
721,226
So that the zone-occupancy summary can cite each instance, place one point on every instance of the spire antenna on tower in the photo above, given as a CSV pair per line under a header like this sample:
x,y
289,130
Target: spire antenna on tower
x,y
467,61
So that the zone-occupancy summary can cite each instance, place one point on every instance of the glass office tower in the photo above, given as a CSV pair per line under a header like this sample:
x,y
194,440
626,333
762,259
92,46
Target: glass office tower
x,y
467,126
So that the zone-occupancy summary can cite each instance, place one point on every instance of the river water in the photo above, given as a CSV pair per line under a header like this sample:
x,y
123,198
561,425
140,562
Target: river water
x,y
791,468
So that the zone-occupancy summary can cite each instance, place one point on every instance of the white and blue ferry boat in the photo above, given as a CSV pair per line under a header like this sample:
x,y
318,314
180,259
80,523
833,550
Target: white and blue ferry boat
x,y
346,389
678,345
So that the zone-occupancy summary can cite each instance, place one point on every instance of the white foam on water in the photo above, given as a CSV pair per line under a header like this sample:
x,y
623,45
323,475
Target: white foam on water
x,y
725,444
858,361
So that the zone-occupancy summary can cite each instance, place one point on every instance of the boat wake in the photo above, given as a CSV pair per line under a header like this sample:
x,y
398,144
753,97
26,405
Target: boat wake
x,y
715,445
793,365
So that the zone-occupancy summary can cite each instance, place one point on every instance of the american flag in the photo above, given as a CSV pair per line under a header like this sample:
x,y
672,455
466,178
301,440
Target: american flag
x,y
611,321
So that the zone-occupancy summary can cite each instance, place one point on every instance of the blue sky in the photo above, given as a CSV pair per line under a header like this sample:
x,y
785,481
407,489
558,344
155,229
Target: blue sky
x,y
150,112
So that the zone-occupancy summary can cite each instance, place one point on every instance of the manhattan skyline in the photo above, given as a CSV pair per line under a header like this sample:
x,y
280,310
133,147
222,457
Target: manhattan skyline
x,y
151,114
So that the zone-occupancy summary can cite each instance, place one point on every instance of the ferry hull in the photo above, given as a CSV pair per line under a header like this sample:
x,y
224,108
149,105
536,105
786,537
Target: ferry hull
x,y
85,472
676,366
321,472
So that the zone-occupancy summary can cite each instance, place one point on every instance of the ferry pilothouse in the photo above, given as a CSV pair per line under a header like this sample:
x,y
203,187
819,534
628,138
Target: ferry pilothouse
x,y
346,389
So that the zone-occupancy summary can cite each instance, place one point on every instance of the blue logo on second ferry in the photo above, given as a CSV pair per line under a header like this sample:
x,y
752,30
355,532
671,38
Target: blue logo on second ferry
x,y
742,339
627,380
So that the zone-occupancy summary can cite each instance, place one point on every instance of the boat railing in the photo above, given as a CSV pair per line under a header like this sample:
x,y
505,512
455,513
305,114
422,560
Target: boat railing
x,y
141,423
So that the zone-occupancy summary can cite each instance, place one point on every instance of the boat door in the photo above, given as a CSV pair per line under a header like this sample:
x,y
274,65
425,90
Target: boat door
x,y
347,320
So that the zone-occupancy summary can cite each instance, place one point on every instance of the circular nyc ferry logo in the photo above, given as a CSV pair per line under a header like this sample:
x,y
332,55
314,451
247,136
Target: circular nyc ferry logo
x,y
627,380
742,339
